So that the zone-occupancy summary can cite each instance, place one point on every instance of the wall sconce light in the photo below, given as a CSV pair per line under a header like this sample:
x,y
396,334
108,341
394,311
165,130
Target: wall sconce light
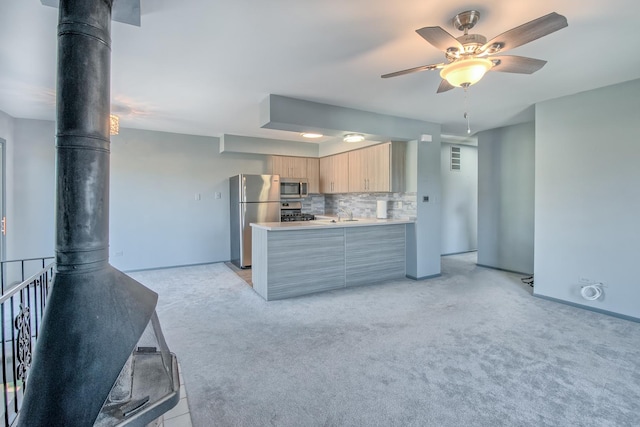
x,y
353,137
114,124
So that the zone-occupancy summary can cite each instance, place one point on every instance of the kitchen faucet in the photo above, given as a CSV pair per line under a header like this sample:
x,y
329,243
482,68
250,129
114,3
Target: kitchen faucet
x,y
346,212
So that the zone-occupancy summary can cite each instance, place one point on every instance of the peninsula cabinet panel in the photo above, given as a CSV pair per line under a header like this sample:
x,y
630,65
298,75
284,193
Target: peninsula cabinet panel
x,y
290,260
334,174
321,268
374,254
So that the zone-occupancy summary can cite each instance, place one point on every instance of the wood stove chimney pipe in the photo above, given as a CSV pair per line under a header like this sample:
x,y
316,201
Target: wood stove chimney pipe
x,y
95,314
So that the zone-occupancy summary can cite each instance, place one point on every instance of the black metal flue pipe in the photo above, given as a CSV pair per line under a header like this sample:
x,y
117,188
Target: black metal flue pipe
x,y
95,314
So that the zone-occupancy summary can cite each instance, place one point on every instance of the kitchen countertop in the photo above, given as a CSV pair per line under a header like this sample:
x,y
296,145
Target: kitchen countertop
x,y
328,222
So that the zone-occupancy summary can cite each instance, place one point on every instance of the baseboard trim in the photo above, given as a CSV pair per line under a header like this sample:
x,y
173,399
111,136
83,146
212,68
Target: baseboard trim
x,y
589,308
459,253
433,276
171,266
504,269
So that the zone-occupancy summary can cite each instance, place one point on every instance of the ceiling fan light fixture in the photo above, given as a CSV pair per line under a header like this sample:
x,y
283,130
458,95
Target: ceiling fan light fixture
x,y
466,71
353,137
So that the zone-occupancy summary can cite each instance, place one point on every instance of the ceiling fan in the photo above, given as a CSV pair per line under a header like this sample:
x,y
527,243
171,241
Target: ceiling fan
x,y
470,56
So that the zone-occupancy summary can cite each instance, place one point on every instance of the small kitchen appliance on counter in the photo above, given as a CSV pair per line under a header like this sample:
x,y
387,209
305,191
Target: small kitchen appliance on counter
x,y
292,211
381,209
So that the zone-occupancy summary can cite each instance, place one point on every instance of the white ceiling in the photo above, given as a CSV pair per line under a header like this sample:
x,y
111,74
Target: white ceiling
x,y
203,67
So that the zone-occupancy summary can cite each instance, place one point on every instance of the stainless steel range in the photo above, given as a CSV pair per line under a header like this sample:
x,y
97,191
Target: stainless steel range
x,y
292,211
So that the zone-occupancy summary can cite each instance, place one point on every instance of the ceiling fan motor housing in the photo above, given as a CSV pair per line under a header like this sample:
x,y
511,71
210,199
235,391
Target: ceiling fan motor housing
x,y
471,42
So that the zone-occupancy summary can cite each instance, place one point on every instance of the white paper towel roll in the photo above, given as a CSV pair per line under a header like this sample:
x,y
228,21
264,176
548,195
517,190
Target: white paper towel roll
x,y
381,211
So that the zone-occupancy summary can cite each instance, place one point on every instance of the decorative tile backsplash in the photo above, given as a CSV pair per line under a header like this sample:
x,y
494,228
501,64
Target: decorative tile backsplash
x,y
363,205
313,204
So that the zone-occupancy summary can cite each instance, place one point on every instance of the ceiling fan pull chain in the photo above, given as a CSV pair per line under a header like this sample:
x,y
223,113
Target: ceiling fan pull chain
x,y
466,109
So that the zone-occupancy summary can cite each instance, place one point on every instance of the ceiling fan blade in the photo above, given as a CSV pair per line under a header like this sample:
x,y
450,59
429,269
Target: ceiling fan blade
x,y
440,38
444,86
525,33
516,64
413,70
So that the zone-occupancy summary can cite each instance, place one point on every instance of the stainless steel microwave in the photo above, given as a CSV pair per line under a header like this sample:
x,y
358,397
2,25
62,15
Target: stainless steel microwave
x,y
293,188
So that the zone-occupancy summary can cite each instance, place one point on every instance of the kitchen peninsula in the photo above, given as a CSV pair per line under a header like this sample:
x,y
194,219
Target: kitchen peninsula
x,y
298,258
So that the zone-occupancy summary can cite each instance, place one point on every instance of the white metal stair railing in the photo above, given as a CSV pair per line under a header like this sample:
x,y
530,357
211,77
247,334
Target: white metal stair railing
x,y
21,310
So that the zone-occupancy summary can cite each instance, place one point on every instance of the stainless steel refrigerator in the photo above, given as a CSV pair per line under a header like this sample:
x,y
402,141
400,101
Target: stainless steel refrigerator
x,y
254,198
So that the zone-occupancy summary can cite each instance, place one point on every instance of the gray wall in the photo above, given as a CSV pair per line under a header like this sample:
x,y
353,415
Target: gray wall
x,y
32,225
426,230
155,219
506,197
588,197
459,200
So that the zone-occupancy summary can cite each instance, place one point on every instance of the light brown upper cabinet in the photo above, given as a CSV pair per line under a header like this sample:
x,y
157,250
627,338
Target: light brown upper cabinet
x,y
334,174
289,167
313,175
298,167
378,168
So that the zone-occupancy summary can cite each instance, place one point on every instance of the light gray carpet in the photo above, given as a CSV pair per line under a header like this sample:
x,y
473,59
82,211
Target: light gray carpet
x,y
472,348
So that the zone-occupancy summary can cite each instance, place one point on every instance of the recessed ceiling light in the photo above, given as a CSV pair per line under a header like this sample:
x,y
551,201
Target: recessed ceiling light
x,y
353,137
311,135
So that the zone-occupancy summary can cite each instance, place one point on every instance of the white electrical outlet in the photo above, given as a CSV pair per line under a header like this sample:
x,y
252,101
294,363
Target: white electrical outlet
x,y
399,205
218,195
197,196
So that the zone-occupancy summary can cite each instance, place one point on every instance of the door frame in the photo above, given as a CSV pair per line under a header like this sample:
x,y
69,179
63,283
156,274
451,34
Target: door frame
x,y
3,198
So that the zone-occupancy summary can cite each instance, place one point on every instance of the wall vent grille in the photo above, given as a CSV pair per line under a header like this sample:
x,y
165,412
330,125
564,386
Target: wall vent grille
x,y
455,158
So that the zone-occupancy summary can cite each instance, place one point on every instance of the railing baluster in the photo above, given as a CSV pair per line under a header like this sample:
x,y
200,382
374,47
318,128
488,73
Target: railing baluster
x,y
30,306
5,388
13,353
35,307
